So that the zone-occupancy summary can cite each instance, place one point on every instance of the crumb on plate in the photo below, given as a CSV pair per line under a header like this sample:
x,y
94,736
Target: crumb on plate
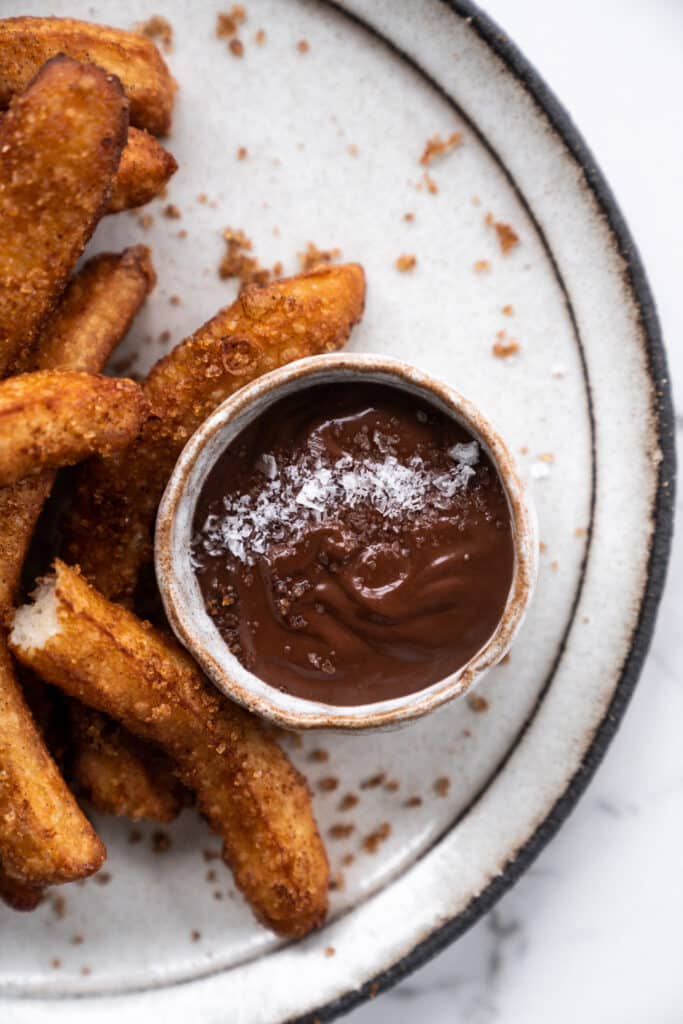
x,y
437,147
406,263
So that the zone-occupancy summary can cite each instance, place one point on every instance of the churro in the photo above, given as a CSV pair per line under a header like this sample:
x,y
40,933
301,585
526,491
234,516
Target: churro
x,y
109,533
60,146
245,786
26,43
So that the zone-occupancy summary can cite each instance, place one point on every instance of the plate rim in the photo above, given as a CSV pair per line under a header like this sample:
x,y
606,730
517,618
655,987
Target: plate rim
x,y
497,40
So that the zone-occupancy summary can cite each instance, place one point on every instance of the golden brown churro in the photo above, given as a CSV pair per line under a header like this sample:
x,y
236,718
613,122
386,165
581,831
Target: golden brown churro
x,y
60,145
56,418
44,837
119,773
26,43
110,530
246,787
93,316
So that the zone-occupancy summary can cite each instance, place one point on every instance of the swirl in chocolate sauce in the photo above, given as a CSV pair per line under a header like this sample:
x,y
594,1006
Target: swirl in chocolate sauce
x,y
353,544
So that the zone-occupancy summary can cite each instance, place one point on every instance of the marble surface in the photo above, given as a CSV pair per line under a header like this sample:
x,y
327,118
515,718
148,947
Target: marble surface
x,y
590,933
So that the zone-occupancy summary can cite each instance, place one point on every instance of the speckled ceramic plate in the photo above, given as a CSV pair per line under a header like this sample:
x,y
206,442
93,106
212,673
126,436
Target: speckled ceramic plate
x,y
451,809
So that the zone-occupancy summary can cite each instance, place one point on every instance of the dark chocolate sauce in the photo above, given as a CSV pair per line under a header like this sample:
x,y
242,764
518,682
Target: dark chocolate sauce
x,y
353,544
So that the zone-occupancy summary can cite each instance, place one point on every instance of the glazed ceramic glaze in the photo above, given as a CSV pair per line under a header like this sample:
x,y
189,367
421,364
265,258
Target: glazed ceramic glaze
x,y
465,797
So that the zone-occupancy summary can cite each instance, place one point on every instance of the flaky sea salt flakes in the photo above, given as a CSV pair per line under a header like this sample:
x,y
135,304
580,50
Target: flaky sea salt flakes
x,y
311,489
467,454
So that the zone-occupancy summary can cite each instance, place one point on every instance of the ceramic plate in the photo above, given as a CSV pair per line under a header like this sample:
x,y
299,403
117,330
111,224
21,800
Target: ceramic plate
x,y
451,809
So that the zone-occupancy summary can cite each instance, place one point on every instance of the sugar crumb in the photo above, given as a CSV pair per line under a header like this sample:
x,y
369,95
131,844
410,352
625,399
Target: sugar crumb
x,y
328,784
161,842
477,703
237,262
330,951
58,904
413,801
373,781
319,756
348,801
507,310
228,22
158,29
481,266
442,786
406,263
409,217
260,37
507,236
303,46
236,47
373,841
241,153
313,257
437,147
430,184
145,220
341,830
505,349
172,212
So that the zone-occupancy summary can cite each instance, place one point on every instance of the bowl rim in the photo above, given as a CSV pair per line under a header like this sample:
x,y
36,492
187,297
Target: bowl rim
x,y
180,593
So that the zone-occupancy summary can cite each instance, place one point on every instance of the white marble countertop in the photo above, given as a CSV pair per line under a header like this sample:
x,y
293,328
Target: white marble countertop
x,y
591,931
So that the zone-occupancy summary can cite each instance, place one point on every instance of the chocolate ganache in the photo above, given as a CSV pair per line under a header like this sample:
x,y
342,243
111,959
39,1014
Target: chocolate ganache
x,y
353,544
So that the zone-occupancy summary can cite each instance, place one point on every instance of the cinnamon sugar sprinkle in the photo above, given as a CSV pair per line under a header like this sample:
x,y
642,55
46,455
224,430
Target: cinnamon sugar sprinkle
x,y
437,147
406,263
373,841
157,28
313,257
477,703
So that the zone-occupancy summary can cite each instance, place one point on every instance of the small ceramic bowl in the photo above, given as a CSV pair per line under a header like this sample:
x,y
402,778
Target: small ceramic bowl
x,y
181,594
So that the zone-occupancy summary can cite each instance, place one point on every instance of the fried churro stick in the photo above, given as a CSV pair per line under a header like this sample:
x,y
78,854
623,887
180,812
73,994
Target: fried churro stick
x,y
109,533
44,837
26,43
92,318
60,146
250,793
144,171
56,418
119,773
94,313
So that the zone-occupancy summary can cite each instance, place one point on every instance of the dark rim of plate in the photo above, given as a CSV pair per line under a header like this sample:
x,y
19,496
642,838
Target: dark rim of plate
x,y
663,519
